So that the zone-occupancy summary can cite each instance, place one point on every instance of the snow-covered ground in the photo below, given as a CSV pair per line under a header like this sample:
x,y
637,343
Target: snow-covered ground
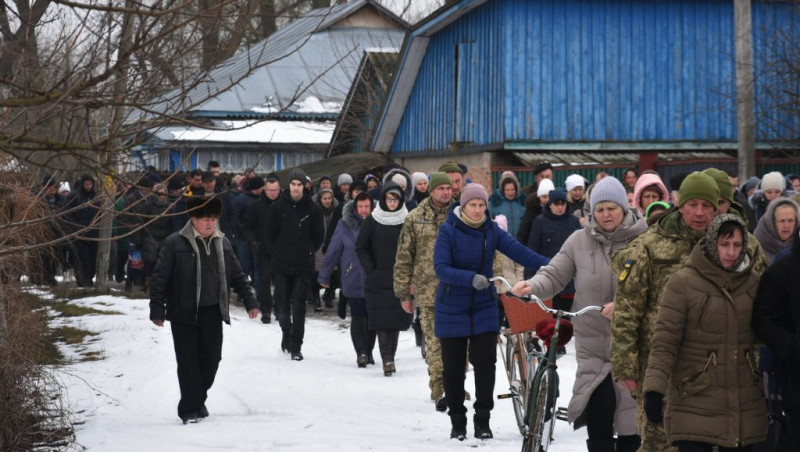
x,y
263,401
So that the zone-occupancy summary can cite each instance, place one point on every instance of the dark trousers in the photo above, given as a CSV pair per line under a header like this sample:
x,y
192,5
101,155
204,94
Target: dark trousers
x,y
562,303
363,338
264,288
387,344
483,356
290,299
198,350
793,417
86,262
600,410
696,446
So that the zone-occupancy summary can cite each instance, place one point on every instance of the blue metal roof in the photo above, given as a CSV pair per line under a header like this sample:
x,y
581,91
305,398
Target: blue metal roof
x,y
308,57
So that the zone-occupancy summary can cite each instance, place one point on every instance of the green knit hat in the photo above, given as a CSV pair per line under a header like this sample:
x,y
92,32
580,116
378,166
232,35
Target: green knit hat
x,y
723,182
699,186
438,178
451,167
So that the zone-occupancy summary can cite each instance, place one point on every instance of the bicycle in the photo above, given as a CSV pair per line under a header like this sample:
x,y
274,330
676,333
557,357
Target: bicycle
x,y
532,369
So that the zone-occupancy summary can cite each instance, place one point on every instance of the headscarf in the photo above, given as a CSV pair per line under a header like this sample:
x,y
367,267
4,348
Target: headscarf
x,y
709,245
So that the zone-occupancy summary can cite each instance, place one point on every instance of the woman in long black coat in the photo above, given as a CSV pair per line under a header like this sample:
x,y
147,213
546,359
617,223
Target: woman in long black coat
x,y
376,247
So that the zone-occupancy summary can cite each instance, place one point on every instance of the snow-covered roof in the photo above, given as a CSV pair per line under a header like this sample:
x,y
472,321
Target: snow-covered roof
x,y
311,56
252,131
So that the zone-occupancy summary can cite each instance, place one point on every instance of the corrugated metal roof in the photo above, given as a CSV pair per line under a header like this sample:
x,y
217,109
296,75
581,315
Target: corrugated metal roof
x,y
308,57
612,158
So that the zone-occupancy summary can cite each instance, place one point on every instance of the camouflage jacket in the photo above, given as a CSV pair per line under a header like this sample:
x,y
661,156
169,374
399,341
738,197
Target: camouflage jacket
x,y
643,269
414,263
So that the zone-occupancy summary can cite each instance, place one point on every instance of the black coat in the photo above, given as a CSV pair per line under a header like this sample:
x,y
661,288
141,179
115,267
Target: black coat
x,y
548,233
175,280
295,232
776,317
254,228
150,237
376,247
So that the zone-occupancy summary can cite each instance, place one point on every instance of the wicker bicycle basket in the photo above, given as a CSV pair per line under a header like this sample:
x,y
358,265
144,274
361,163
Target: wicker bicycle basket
x,y
523,316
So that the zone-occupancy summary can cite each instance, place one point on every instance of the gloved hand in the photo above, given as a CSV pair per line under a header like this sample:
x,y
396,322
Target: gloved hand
x,y
480,282
654,407
255,247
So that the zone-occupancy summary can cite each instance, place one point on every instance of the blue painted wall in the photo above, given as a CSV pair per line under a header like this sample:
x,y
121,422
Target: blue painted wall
x,y
581,71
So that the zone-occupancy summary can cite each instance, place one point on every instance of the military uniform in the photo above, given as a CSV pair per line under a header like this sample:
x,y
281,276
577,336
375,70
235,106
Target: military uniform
x,y
414,266
643,269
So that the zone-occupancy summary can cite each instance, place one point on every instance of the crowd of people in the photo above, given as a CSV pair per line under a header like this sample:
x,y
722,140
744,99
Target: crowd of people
x,y
693,274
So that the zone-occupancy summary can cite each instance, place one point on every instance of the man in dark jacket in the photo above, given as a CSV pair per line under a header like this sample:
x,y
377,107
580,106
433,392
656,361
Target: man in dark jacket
x,y
82,208
295,231
189,287
254,231
241,204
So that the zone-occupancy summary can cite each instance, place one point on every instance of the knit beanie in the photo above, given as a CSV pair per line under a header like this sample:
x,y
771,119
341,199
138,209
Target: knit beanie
x,y
473,191
723,183
545,187
418,176
750,184
400,180
297,174
574,180
609,189
698,186
344,178
559,194
438,178
655,206
773,181
450,167
255,183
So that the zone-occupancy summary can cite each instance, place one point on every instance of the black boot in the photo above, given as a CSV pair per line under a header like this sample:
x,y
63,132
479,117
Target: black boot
x,y
600,445
481,421
628,443
286,341
459,426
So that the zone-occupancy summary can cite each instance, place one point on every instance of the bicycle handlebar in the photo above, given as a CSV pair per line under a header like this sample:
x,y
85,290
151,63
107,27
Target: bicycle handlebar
x,y
531,297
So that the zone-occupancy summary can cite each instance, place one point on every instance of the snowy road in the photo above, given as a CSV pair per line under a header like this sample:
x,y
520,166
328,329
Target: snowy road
x,y
263,401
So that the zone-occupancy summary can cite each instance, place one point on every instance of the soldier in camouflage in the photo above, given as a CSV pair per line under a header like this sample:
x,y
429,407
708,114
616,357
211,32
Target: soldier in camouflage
x,y
643,269
414,273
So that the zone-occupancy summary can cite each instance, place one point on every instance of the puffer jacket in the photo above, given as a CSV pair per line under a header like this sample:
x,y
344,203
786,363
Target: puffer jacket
x,y
586,258
461,252
702,358
342,252
513,209
176,278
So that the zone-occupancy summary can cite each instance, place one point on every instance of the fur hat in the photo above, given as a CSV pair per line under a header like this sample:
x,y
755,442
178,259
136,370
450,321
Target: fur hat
x,y
574,180
200,207
773,181
542,167
438,178
545,187
609,189
473,191
698,186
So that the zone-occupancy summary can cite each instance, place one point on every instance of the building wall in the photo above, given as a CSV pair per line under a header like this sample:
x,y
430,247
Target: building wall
x,y
366,18
581,71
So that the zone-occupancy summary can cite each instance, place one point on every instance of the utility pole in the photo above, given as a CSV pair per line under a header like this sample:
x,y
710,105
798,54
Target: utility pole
x,y
745,87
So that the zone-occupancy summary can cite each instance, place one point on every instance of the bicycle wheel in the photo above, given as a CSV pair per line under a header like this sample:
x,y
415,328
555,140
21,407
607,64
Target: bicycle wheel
x,y
541,411
518,386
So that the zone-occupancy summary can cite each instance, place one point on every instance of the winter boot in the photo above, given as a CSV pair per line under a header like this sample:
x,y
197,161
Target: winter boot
x,y
388,368
600,445
459,426
317,305
362,360
441,405
297,355
481,421
628,443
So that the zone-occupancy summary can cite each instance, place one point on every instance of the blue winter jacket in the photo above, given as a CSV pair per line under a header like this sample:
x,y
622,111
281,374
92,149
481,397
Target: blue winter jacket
x,y
512,209
342,251
461,252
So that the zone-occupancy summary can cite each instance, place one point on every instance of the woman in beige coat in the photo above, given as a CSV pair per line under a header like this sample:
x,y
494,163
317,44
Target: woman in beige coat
x,y
597,402
702,360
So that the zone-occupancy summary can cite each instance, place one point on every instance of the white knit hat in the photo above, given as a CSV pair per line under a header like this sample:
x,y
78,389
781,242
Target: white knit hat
x,y
64,186
575,180
545,187
773,181
418,176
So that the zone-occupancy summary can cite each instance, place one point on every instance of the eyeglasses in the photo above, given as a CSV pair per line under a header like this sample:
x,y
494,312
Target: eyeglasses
x,y
390,199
